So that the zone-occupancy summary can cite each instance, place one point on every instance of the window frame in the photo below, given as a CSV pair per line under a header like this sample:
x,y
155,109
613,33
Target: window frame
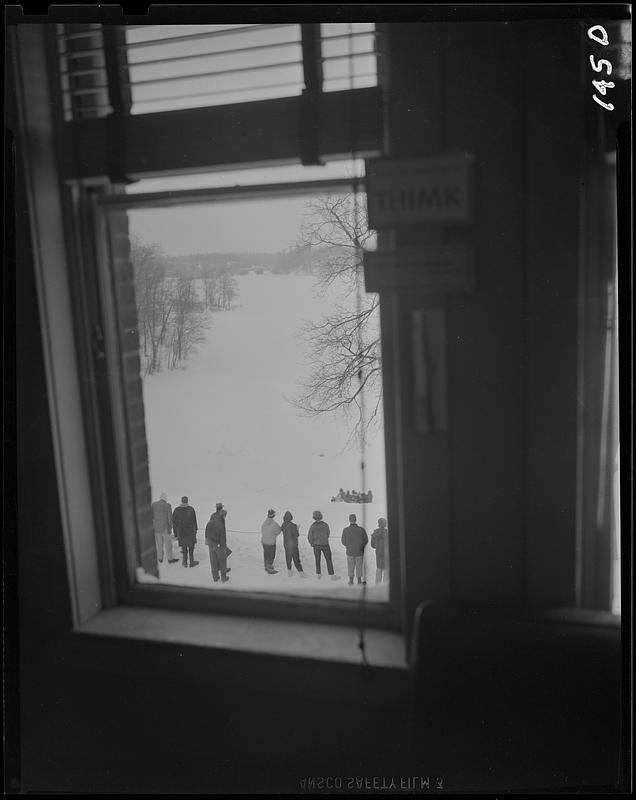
x,y
123,561
75,489
597,580
63,228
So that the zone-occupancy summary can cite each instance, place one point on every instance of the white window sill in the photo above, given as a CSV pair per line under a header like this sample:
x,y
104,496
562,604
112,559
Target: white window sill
x,y
384,649
238,652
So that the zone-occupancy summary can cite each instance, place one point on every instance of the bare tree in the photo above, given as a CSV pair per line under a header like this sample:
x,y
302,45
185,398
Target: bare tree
x,y
188,322
220,287
227,288
210,285
154,304
343,347
171,318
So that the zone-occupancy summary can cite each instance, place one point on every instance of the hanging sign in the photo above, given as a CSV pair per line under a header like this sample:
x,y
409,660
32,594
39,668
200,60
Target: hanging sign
x,y
403,192
430,268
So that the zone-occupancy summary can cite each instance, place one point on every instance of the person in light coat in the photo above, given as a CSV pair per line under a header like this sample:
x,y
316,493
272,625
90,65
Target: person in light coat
x,y
318,536
270,529
379,542
162,525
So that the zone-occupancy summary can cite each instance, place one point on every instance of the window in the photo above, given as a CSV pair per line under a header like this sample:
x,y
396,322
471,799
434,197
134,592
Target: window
x,y
599,522
608,513
104,152
109,69
234,289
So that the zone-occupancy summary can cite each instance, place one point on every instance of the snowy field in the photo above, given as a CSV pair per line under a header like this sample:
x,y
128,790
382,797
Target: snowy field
x,y
220,429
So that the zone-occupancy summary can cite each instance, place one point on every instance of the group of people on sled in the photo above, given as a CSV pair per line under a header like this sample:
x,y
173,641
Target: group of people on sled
x,y
352,496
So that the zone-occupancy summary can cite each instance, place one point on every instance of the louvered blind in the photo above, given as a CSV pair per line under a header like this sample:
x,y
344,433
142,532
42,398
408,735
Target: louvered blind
x,y
186,66
349,55
171,67
83,80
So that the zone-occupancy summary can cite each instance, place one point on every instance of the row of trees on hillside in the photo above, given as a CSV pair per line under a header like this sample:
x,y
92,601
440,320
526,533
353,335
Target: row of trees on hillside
x,y
238,263
299,258
173,306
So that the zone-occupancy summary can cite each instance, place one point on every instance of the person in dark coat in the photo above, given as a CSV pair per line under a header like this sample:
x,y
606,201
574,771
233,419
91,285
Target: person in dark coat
x,y
319,539
215,539
184,523
355,539
380,545
290,543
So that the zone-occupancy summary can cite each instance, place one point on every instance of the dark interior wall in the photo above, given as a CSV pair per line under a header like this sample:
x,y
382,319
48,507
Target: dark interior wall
x,y
111,727
484,104
466,490
491,501
503,702
557,173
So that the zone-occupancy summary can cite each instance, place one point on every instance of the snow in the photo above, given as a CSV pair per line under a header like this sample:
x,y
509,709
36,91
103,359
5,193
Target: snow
x,y
221,429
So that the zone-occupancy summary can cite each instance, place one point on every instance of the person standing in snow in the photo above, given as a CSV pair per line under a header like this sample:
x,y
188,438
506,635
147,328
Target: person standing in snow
x,y
290,543
184,522
355,539
319,539
269,531
217,545
380,545
162,525
228,552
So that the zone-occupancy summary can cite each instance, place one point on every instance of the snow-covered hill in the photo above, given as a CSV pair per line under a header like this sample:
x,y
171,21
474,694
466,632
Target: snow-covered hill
x,y
221,429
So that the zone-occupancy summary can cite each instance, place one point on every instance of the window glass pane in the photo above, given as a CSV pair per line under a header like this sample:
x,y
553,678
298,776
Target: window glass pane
x,y
616,479
343,45
345,69
613,433
331,29
253,325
